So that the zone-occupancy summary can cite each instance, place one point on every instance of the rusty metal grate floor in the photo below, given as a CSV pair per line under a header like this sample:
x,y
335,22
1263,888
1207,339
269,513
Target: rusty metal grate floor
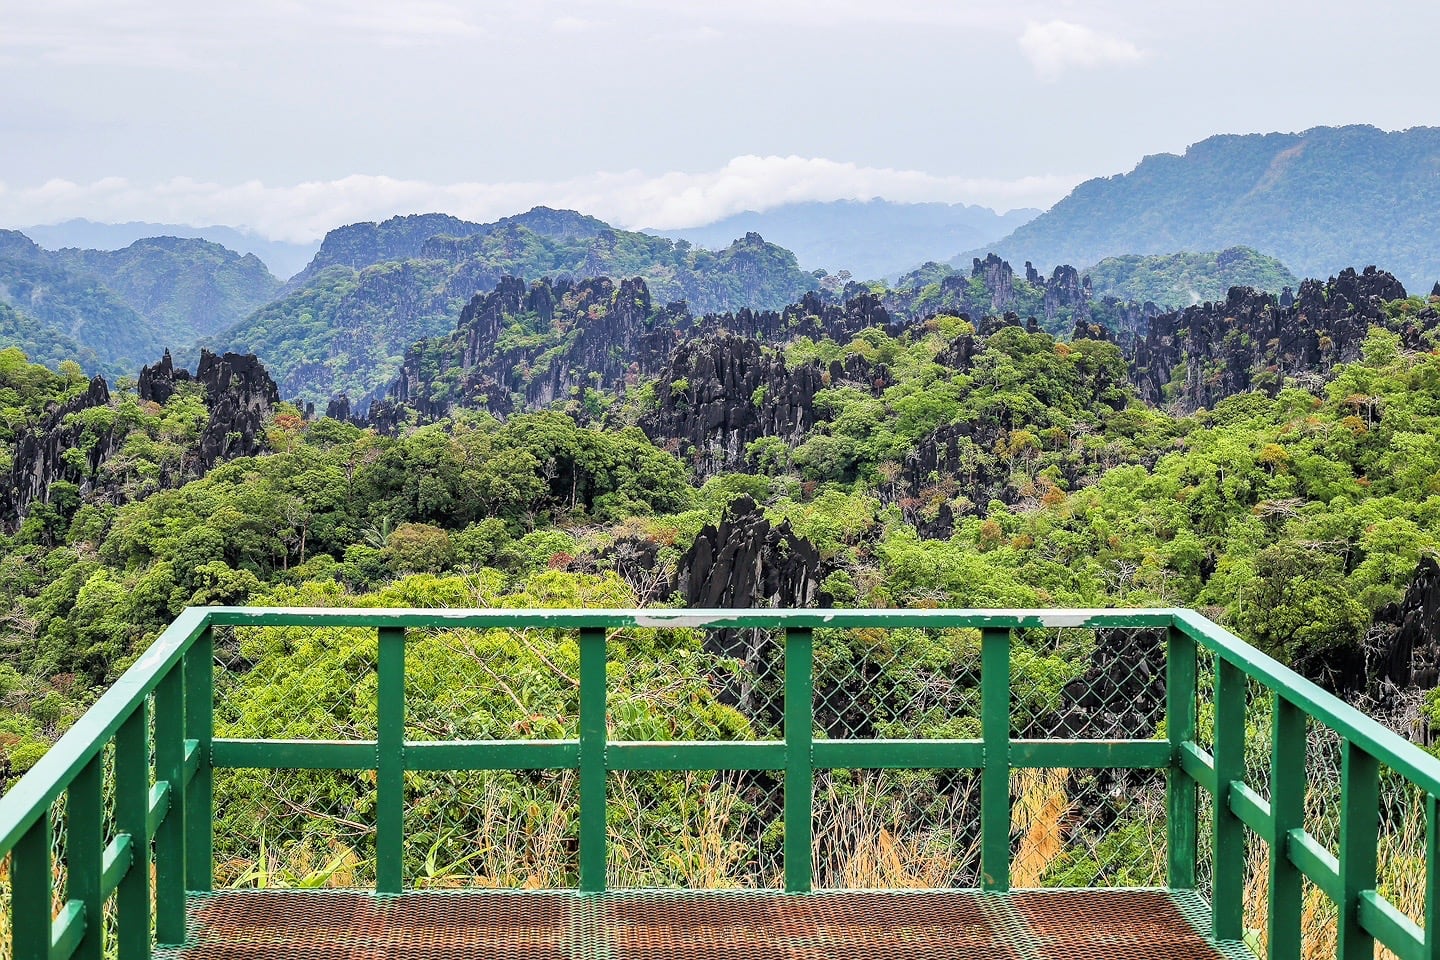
x,y
709,925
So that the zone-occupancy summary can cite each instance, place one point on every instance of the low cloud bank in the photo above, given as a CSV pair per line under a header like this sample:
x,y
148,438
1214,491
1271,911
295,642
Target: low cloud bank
x,y
633,199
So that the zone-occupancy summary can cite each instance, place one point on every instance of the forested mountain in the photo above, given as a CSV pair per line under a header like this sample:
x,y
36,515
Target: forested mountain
x,y
188,288
120,307
54,304
871,239
344,328
282,258
1320,200
1184,279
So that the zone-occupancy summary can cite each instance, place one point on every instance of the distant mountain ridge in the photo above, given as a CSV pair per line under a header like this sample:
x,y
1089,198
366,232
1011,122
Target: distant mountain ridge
x,y
873,239
283,258
1319,201
359,245
120,308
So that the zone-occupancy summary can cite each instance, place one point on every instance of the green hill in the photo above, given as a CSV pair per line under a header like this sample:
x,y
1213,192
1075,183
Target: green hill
x,y
190,288
54,306
116,310
1320,200
1182,279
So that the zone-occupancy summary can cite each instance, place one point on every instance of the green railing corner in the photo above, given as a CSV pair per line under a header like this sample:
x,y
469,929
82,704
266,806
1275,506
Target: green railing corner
x,y
167,819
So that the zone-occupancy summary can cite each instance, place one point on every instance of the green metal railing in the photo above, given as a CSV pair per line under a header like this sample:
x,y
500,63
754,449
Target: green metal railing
x,y
163,815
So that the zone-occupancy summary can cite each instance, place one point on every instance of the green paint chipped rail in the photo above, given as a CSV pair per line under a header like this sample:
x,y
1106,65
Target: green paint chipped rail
x,y
166,818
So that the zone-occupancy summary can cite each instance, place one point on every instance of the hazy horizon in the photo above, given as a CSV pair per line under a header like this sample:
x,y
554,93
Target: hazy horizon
x,y
288,119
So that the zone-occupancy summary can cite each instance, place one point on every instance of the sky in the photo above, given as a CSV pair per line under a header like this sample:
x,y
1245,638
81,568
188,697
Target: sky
x,y
290,117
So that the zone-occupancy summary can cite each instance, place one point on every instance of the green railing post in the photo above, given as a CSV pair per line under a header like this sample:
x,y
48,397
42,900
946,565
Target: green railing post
x,y
1432,877
132,811
1228,896
170,835
84,853
390,762
799,758
1181,817
30,892
1359,846
1287,806
592,760
995,775
200,797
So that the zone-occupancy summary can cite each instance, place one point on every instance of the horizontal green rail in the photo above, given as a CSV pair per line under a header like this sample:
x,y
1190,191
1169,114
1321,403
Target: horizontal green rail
x,y
165,819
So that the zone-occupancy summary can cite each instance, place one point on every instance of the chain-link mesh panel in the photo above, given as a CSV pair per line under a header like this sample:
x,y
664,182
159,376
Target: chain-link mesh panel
x,y
1087,828
1319,923
1204,849
498,684
278,828
899,683
1256,916
287,828
699,829
301,683
1259,732
1401,875
710,685
59,868
1087,684
702,830
1322,793
1205,700
491,829
878,829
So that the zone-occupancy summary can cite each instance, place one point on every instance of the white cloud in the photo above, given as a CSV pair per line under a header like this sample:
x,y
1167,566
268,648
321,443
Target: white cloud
x,y
632,199
1058,45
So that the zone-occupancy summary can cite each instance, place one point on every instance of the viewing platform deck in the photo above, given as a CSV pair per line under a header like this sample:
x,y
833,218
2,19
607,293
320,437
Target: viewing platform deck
x,y
1068,784
703,925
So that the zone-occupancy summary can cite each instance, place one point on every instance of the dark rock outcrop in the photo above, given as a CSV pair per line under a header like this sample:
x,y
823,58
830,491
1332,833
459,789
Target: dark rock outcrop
x,y
1065,290
338,408
1404,642
238,392
1198,356
40,460
999,280
747,562
525,347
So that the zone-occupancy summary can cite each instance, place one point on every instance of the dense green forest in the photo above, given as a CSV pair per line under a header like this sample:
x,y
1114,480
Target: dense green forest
x,y
577,443
1066,490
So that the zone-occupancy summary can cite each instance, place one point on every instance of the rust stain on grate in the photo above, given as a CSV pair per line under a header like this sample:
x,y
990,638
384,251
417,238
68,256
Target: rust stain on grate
x,y
1134,925
690,925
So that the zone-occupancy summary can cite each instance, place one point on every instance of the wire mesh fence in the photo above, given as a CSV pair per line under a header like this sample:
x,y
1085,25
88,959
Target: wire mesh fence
x,y
701,830
897,683
490,828
699,685
299,828
1089,684
877,829
1087,828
